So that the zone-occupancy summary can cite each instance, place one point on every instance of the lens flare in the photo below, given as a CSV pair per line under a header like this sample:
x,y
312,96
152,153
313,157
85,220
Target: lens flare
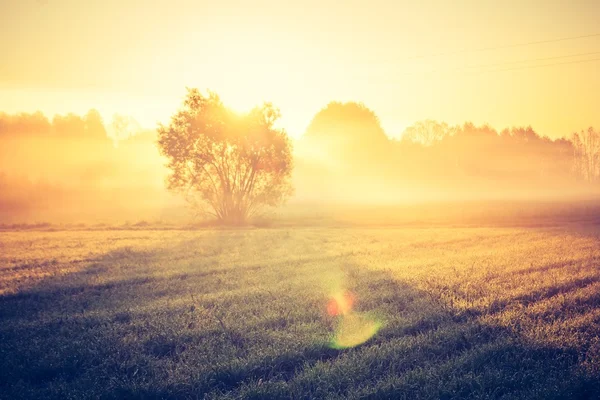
x,y
353,328
340,304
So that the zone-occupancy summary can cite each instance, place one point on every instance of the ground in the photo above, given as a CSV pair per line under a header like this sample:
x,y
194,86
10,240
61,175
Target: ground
x,y
301,313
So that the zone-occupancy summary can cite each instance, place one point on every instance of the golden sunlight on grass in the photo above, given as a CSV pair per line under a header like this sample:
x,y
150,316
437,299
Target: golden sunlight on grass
x,y
235,200
208,312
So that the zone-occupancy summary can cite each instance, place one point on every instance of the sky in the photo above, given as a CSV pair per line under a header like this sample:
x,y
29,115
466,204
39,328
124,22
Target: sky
x,y
479,61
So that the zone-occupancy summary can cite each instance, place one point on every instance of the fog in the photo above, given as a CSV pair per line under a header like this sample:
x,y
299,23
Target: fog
x,y
70,170
81,169
345,156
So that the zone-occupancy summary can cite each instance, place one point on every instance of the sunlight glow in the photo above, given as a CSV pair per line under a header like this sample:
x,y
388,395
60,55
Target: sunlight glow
x,y
402,68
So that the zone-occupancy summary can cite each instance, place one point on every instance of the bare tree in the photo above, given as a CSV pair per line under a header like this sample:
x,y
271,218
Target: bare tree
x,y
427,132
586,145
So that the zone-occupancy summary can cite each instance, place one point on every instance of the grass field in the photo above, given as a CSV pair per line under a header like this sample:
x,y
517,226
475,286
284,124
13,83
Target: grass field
x,y
301,313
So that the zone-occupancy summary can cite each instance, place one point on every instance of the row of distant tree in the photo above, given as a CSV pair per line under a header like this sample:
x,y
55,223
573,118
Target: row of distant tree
x,y
580,150
349,134
344,154
89,126
72,167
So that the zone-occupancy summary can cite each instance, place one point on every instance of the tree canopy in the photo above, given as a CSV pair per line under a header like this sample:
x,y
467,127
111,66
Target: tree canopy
x,y
228,165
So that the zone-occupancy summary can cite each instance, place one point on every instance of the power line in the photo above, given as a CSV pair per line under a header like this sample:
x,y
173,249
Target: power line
x,y
513,68
469,67
507,46
533,59
544,65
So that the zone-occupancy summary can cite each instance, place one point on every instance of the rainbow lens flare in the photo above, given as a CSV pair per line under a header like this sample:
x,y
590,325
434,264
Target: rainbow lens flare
x,y
353,328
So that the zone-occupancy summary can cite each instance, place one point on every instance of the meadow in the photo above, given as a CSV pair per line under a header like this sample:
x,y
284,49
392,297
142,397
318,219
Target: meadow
x,y
306,312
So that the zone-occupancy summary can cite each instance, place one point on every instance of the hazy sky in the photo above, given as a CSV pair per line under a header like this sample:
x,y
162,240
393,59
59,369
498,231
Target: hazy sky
x,y
407,60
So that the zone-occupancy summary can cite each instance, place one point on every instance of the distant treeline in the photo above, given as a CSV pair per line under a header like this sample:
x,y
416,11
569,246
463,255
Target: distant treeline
x,y
432,160
71,169
79,168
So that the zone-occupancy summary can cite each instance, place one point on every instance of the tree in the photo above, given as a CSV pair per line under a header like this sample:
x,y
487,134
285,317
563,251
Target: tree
x,y
24,124
350,127
94,126
346,136
228,165
427,132
123,127
586,146
68,126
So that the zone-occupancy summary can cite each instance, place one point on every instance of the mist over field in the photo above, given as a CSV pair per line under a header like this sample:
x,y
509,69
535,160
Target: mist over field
x,y
232,200
80,169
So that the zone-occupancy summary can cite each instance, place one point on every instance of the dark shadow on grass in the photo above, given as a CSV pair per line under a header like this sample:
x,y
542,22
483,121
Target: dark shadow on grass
x,y
426,351
65,335
73,337
531,298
